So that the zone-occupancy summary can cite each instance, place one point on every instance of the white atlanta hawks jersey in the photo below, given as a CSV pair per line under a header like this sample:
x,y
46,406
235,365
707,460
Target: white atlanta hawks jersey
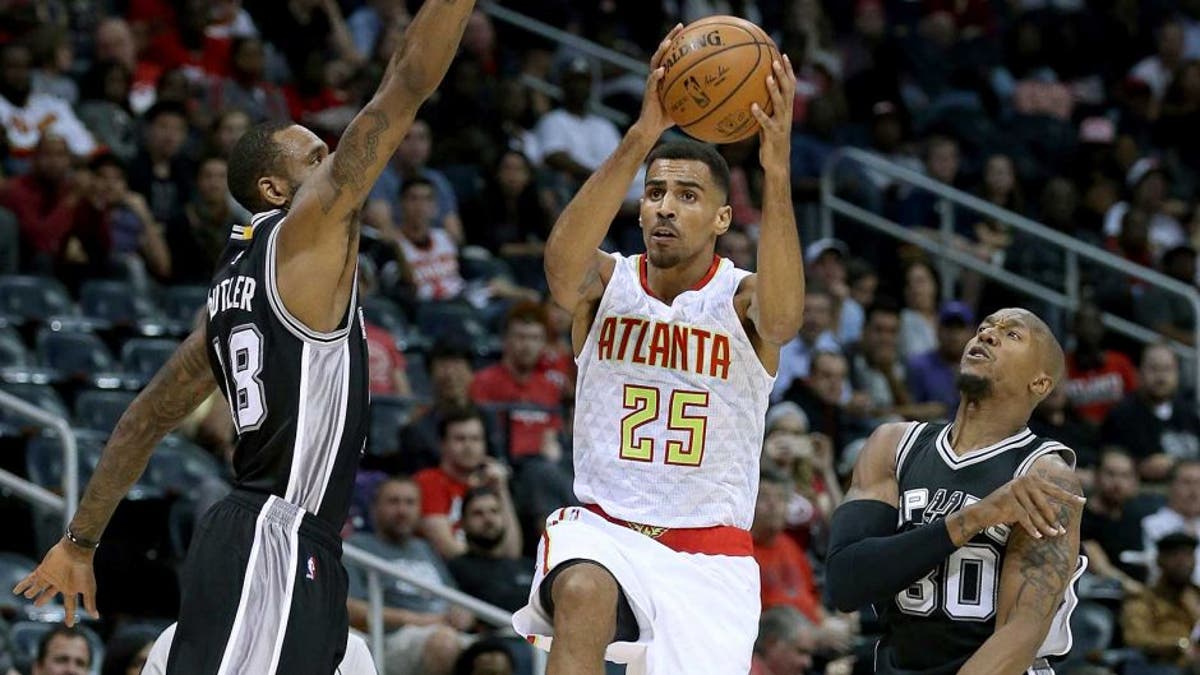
x,y
670,404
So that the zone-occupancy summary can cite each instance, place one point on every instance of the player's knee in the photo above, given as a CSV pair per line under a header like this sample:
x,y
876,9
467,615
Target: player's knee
x,y
585,589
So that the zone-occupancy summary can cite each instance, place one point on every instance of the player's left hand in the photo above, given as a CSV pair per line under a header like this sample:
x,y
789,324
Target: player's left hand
x,y
66,569
775,134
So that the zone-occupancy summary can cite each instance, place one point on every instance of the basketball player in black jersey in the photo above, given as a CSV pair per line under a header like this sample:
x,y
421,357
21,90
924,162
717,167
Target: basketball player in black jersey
x,y
264,590
978,576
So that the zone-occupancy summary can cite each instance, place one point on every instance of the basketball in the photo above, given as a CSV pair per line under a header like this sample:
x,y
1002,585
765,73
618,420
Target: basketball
x,y
715,68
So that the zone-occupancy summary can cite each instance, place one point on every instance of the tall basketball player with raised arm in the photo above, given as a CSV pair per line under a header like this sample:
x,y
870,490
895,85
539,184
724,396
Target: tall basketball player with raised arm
x,y
965,536
264,590
677,351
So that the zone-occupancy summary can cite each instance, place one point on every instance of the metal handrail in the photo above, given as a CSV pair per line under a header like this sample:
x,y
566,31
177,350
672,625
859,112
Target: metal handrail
x,y
70,476
1067,298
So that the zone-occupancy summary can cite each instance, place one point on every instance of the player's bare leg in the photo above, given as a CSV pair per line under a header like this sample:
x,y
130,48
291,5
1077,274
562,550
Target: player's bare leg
x,y
585,619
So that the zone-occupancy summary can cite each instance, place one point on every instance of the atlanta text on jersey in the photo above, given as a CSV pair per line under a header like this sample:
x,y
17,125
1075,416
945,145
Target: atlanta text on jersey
x,y
664,345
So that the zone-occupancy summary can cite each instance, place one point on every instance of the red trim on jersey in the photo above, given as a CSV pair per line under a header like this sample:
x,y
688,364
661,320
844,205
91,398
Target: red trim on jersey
x,y
645,279
716,540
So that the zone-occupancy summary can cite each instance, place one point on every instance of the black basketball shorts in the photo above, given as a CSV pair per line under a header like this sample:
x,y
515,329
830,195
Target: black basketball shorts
x,y
264,592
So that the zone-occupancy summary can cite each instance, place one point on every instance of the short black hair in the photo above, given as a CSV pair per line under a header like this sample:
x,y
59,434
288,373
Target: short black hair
x,y
465,665
882,305
457,415
104,159
165,108
256,154
415,182
699,152
64,631
449,350
476,493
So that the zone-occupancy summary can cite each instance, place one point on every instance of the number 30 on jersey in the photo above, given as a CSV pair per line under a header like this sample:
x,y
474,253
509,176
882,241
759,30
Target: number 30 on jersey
x,y
643,404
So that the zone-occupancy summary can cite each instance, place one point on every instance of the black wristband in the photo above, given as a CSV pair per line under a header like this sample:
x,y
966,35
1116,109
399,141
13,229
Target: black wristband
x,y
80,541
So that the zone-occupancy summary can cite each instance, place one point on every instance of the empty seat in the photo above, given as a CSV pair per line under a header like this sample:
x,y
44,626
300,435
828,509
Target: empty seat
x,y
178,465
389,414
12,349
28,298
44,457
73,353
99,409
13,568
385,314
40,395
142,357
181,303
114,301
451,320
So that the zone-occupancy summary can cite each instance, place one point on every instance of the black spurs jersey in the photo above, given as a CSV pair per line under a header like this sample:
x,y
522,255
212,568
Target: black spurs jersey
x,y
935,625
299,397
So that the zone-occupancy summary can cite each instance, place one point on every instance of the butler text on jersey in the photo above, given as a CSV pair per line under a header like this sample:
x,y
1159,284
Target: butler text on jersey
x,y
664,345
232,293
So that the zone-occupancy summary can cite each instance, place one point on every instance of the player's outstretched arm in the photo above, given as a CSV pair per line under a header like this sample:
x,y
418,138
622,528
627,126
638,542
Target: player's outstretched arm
x,y
176,390
576,270
1036,573
777,307
317,243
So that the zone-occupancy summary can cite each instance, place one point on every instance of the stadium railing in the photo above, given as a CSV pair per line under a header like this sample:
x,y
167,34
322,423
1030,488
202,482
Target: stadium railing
x,y
596,55
376,568
35,494
1066,298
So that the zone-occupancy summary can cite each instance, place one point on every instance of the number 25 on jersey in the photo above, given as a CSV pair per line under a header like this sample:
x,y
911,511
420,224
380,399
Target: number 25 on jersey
x,y
643,404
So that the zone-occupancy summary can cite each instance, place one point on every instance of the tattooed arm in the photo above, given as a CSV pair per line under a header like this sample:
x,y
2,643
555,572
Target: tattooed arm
x,y
176,390
318,245
1035,576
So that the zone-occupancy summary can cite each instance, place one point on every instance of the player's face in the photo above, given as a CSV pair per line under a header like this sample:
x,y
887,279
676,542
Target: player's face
x,y
397,508
464,445
65,655
1006,353
683,211
303,152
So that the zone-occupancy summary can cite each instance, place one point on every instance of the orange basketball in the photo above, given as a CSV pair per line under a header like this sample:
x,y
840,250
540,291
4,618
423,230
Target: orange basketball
x,y
715,68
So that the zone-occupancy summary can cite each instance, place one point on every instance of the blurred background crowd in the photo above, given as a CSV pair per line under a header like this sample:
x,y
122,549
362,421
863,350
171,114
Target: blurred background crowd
x,y
118,118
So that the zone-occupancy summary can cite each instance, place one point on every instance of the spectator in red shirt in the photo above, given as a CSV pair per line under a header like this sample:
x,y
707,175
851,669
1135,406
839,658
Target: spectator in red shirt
x,y
44,201
787,577
464,465
1097,378
532,400
387,363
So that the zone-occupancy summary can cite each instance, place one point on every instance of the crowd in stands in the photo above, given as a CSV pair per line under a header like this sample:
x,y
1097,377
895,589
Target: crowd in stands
x,y
118,117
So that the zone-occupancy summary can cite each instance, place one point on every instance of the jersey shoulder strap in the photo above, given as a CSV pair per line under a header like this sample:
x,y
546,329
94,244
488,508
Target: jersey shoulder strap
x,y
916,433
1041,447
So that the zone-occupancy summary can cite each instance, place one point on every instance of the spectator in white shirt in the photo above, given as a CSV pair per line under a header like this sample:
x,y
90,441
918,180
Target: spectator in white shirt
x,y
1182,512
26,115
575,142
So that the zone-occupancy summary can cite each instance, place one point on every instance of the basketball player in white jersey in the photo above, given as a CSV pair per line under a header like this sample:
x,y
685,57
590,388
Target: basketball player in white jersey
x,y
677,351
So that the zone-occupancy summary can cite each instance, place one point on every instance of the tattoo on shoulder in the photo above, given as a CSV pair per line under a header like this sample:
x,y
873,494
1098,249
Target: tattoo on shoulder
x,y
356,151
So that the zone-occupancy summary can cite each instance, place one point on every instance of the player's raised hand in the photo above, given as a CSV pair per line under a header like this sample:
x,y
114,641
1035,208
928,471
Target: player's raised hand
x,y
1031,502
775,133
654,115
66,569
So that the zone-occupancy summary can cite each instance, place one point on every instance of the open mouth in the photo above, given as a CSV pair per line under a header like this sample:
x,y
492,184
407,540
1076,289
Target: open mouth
x,y
978,353
662,233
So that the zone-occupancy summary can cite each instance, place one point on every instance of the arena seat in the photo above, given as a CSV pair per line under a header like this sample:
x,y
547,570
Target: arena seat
x,y
99,409
12,349
115,302
143,357
181,303
389,414
13,568
418,374
44,457
386,314
29,298
41,395
178,465
73,353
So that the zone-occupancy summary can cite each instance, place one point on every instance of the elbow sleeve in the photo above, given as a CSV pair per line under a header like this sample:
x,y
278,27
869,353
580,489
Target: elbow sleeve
x,y
869,561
